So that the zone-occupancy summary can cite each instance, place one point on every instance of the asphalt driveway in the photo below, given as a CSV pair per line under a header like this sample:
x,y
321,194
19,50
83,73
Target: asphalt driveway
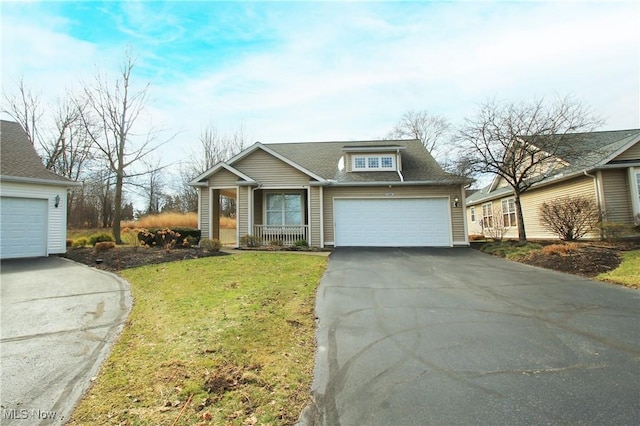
x,y
457,337
59,320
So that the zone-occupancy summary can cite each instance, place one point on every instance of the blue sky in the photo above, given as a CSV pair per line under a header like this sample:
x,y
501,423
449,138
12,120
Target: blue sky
x,y
313,71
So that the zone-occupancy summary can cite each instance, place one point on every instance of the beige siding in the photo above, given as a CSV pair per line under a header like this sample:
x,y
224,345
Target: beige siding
x,y
633,153
242,211
268,170
224,178
457,214
315,212
533,200
617,196
204,212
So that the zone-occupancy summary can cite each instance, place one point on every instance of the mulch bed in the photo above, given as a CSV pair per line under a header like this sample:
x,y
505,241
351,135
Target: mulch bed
x,y
120,258
589,260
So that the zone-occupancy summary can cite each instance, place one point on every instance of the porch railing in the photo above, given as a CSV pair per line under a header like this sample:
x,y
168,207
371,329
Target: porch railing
x,y
285,235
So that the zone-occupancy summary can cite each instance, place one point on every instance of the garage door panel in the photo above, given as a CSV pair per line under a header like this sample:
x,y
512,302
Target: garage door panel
x,y
392,222
23,227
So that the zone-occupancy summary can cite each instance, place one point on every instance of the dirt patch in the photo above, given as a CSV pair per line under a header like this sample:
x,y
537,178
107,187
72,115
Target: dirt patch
x,y
120,258
586,259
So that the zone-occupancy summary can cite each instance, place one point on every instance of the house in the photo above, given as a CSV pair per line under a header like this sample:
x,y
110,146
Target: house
x,y
33,200
368,193
604,166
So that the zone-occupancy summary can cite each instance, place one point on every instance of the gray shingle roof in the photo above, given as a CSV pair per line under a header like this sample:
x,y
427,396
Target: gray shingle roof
x,y
18,157
322,159
582,152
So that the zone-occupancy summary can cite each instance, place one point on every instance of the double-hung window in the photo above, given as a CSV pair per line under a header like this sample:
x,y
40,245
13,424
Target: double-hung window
x,y
473,214
487,215
508,212
283,208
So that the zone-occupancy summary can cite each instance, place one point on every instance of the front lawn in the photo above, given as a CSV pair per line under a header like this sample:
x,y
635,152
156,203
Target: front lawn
x,y
628,273
219,340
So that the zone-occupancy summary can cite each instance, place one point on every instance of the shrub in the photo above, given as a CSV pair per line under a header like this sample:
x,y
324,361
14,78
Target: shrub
x,y
190,241
210,244
69,242
100,237
571,218
510,249
250,241
102,246
301,243
80,242
560,249
614,230
277,243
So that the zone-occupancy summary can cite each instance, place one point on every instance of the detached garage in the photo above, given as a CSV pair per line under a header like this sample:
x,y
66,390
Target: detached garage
x,y
33,200
392,222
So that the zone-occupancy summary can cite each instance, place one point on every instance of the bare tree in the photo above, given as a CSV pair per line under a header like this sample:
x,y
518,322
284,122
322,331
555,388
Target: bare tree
x,y
25,109
118,108
519,142
421,125
214,147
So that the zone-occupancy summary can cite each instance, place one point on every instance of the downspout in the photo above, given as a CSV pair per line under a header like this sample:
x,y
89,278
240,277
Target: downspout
x,y
598,200
398,165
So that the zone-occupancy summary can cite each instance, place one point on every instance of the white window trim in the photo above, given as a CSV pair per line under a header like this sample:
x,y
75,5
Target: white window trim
x,y
283,192
489,210
393,168
508,212
472,212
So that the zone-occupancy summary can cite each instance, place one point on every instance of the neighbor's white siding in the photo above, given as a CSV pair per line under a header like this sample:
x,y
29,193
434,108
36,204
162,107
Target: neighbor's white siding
x,y
57,217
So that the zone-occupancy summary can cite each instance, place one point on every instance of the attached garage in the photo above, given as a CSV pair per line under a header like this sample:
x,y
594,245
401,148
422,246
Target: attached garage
x,y
392,222
23,227
33,200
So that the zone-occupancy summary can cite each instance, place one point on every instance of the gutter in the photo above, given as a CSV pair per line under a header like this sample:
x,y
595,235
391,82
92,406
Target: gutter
x,y
20,179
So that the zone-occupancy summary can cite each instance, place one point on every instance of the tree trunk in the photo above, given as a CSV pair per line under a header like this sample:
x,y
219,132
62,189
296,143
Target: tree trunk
x,y
117,208
522,235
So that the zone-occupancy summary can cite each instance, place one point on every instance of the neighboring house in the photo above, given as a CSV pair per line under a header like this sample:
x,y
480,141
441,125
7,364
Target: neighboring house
x,y
371,193
33,200
604,166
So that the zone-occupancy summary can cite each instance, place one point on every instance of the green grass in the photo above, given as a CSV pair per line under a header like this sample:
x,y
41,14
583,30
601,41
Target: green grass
x,y
510,249
628,273
236,334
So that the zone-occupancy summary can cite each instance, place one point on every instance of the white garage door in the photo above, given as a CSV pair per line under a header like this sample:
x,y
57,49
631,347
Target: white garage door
x,y
416,222
23,227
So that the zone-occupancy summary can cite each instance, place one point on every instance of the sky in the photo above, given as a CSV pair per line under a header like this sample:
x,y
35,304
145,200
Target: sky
x,y
326,71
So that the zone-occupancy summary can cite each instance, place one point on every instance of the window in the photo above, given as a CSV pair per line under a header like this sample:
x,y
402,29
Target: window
x,y
473,214
373,162
284,209
509,212
638,184
386,162
487,215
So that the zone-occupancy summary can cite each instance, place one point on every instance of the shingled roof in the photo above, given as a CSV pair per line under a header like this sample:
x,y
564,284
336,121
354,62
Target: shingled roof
x,y
19,161
322,159
581,152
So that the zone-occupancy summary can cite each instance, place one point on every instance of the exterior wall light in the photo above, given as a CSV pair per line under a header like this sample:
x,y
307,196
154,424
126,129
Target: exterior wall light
x,y
456,202
57,201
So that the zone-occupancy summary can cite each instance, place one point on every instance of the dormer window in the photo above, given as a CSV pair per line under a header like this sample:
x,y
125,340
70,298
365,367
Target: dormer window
x,y
376,162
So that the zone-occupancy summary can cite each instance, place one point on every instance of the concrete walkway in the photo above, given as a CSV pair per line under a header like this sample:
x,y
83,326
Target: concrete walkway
x,y
59,322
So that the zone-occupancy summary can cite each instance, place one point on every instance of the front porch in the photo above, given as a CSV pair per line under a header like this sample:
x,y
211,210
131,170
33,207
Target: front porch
x,y
272,216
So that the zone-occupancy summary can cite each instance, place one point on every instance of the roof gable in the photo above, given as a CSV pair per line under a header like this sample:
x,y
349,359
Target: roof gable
x,y
19,160
320,161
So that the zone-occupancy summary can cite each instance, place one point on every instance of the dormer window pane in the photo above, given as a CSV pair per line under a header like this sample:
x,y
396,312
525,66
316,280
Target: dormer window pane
x,y
387,162
360,163
373,162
